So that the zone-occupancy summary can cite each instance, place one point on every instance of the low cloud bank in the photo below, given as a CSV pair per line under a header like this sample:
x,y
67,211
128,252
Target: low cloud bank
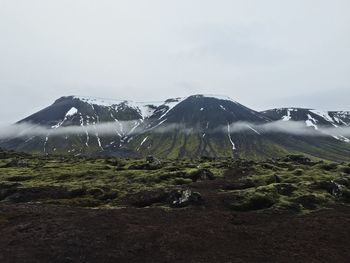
x,y
134,128
288,127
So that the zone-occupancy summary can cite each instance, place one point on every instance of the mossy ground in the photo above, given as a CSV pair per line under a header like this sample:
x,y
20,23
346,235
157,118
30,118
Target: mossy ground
x,y
287,184
292,183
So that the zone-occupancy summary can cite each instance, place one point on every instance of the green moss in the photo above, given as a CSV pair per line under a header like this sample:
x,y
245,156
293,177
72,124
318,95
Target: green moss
x,y
285,183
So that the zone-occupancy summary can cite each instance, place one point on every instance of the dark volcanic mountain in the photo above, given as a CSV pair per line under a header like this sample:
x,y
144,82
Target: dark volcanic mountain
x,y
313,118
310,116
183,127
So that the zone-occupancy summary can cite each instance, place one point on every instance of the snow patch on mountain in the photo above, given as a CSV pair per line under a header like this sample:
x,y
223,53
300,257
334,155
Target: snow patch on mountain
x,y
311,122
342,117
230,138
145,109
324,115
143,141
288,116
98,101
341,138
340,121
69,113
171,104
222,107
254,130
219,97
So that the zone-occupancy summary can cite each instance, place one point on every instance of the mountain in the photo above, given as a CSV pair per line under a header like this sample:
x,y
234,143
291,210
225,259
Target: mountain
x,y
194,126
86,112
313,118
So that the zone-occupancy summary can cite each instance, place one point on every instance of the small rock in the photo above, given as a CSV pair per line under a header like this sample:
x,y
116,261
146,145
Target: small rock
x,y
331,187
182,198
152,160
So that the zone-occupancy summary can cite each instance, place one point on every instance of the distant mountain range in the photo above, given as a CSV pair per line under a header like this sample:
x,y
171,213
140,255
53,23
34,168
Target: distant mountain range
x,y
199,125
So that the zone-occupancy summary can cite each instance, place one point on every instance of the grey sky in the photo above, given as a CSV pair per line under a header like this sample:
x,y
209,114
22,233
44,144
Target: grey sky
x,y
264,54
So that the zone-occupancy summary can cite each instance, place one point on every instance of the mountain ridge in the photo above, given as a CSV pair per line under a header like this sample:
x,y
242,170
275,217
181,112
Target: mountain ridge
x,y
193,126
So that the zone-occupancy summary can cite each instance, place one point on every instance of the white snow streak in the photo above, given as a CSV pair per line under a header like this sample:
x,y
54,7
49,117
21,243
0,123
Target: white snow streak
x,y
69,113
229,136
288,116
254,130
311,122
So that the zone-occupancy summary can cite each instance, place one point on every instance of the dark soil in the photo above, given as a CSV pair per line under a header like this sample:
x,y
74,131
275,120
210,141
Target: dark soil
x,y
47,233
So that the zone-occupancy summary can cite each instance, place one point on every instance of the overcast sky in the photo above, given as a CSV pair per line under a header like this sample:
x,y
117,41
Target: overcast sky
x,y
264,54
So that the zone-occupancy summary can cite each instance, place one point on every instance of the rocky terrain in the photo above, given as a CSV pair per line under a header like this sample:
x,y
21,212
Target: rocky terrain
x,y
78,209
290,183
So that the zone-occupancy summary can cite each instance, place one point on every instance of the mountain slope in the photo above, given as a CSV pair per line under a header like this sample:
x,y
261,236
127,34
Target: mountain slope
x,y
198,125
84,112
313,118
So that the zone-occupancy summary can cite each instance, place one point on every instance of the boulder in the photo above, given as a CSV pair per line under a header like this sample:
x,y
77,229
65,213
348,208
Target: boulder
x,y
182,198
331,187
152,160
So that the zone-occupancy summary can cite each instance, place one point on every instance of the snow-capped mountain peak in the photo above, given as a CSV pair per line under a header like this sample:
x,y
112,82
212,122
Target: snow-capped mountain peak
x,y
201,124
